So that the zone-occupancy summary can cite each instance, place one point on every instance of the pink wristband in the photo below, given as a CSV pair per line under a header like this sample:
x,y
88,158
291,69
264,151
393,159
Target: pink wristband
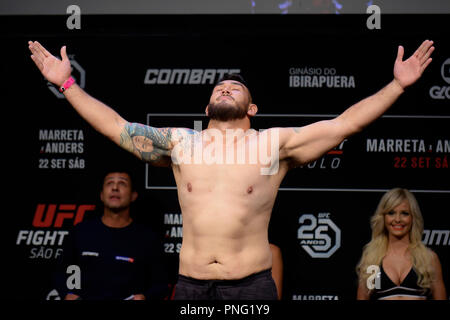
x,y
66,85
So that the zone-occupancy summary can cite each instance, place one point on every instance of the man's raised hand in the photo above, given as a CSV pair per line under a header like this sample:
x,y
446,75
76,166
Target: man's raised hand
x,y
409,71
53,69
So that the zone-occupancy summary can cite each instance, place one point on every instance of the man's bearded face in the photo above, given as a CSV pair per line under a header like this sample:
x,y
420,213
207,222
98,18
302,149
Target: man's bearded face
x,y
229,101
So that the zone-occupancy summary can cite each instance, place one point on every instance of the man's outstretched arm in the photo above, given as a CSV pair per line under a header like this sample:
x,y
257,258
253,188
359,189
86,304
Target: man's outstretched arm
x,y
310,142
147,143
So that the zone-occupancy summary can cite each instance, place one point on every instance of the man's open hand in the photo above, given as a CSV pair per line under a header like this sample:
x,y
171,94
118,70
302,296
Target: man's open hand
x,y
407,72
53,69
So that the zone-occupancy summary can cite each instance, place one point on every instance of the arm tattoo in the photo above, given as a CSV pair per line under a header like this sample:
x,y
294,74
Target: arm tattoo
x,y
148,143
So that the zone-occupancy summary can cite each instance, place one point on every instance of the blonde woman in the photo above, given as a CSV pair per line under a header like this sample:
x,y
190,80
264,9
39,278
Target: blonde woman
x,y
395,264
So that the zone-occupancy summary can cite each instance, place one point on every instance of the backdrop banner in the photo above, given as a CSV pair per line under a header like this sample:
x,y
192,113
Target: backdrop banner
x,y
160,70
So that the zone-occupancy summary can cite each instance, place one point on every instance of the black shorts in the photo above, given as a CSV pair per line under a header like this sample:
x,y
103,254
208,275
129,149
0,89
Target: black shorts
x,y
257,286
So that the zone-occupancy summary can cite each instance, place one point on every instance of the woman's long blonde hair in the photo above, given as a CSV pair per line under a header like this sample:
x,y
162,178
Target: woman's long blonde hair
x,y
375,250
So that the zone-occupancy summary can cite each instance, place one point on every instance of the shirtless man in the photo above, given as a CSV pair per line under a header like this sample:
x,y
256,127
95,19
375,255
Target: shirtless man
x,y
226,206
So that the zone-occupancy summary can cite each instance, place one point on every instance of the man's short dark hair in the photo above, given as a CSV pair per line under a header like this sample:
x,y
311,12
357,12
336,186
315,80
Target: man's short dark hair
x,y
120,169
233,76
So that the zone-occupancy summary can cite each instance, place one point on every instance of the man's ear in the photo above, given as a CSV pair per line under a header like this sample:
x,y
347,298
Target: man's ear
x,y
134,196
252,109
206,111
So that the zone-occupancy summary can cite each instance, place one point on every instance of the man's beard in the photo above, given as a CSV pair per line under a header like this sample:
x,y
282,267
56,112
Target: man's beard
x,y
224,112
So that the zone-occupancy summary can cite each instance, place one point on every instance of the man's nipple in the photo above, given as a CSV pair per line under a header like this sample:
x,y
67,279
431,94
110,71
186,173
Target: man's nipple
x,y
189,187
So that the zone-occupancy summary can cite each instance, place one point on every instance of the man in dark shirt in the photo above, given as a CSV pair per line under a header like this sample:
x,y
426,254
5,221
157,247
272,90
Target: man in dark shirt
x,y
117,257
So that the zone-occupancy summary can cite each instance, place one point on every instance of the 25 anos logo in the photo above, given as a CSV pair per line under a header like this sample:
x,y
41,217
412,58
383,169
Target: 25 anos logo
x,y
318,235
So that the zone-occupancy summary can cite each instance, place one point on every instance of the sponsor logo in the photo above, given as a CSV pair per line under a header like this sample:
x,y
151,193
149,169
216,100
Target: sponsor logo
x,y
127,259
43,241
185,76
53,215
319,236
89,253
440,92
318,77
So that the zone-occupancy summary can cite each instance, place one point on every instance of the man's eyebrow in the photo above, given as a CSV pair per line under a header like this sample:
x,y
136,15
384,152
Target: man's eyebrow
x,y
113,178
232,81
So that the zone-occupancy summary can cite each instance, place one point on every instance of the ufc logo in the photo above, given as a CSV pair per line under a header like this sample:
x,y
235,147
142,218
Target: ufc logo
x,y
48,216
